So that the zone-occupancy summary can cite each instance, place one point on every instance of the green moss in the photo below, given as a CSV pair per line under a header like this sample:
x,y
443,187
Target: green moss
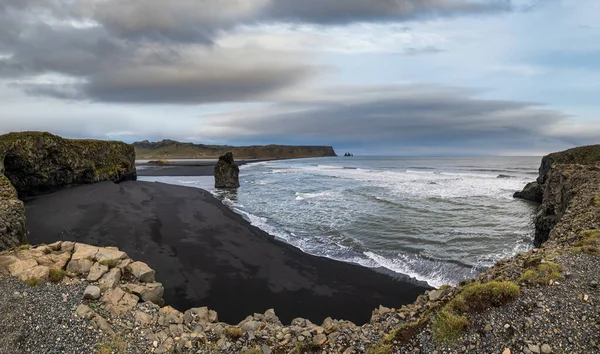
x,y
57,275
380,349
592,250
305,347
445,286
110,263
405,331
114,345
233,333
33,282
542,273
254,350
583,155
24,247
596,201
448,326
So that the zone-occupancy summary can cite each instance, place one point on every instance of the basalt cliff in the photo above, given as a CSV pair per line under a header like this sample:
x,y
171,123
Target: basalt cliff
x,y
169,149
33,163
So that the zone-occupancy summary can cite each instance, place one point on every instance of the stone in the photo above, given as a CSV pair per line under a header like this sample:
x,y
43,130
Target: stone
x,y
38,274
101,324
152,292
168,315
227,172
91,292
117,301
270,316
97,271
585,297
435,295
17,295
142,272
488,327
83,251
533,348
593,284
532,192
250,326
54,261
110,254
111,279
506,351
20,266
506,326
84,311
319,339
328,325
80,266
265,349
546,349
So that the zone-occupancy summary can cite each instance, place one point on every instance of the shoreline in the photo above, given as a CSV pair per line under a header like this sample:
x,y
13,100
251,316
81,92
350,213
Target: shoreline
x,y
207,255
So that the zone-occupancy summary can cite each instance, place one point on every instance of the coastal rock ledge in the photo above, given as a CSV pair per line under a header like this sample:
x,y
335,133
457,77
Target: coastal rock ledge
x,y
33,163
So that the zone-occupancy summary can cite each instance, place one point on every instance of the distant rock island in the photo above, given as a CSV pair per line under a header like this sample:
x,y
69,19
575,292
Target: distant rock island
x,y
170,149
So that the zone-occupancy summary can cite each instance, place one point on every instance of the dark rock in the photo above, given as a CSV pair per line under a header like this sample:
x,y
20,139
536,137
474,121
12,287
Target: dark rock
x,y
532,192
227,172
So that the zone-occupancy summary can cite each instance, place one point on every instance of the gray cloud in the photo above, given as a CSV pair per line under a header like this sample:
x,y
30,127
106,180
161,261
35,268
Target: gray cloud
x,y
389,118
156,51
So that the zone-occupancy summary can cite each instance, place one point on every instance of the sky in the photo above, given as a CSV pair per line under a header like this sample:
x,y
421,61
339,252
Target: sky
x,y
374,77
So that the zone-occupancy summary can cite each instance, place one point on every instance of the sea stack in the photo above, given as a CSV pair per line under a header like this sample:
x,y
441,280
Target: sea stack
x,y
227,172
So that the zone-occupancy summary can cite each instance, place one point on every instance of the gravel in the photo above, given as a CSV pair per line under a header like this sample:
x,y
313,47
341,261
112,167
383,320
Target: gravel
x,y
40,319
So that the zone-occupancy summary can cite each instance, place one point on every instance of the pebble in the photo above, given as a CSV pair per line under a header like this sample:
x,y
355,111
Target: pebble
x,y
506,351
593,284
17,295
546,349
506,326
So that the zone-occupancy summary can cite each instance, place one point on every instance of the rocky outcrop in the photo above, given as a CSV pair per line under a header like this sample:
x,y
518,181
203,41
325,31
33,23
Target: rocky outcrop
x,y
227,172
33,163
169,149
561,175
37,162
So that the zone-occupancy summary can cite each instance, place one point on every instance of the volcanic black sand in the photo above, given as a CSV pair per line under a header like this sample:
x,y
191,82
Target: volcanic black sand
x,y
206,255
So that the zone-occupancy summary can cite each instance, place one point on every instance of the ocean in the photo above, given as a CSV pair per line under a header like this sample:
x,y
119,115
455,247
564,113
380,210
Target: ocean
x,y
437,219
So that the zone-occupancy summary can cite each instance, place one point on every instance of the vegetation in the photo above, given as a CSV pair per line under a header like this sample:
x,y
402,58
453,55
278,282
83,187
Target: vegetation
x,y
233,333
583,155
24,247
380,349
305,347
596,201
403,333
56,275
588,243
451,320
254,350
113,346
110,263
542,273
33,282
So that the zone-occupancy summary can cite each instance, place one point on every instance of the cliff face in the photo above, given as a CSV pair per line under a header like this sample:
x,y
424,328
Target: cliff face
x,y
32,163
41,162
169,149
561,176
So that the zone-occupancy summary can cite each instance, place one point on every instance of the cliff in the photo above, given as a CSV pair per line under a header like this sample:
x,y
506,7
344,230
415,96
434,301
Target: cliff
x,y
561,175
169,149
34,162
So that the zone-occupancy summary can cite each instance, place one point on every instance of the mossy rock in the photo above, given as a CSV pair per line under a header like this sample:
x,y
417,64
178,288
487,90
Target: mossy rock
x,y
37,162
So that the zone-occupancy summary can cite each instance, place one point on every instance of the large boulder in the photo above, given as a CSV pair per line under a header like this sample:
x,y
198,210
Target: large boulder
x,y
532,192
227,172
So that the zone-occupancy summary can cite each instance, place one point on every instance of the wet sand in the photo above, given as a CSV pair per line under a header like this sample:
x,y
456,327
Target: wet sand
x,y
207,255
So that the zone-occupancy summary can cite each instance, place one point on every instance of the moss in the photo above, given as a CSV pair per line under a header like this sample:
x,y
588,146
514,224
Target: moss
x,y
115,345
448,326
305,347
24,247
445,287
542,274
478,296
254,350
596,201
233,333
589,238
110,263
33,282
405,331
592,250
380,349
57,275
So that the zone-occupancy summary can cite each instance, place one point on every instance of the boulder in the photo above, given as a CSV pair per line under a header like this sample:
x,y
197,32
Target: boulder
x,y
152,292
83,251
91,292
110,254
117,301
532,191
54,261
37,274
111,279
79,266
141,271
227,172
20,266
97,271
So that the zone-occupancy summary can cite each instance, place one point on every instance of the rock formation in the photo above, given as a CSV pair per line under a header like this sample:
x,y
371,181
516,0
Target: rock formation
x,y
561,175
227,172
33,162
169,149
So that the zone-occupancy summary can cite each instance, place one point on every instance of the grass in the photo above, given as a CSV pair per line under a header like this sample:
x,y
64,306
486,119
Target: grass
x,y
449,323
448,326
588,243
380,349
233,333
56,275
305,347
596,201
113,346
254,350
33,282
542,273
403,333
110,263
24,247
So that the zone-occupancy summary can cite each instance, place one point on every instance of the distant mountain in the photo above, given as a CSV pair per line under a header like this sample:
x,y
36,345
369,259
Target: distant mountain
x,y
170,149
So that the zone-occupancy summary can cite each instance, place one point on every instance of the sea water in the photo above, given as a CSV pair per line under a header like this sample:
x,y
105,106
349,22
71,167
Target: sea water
x,y
437,219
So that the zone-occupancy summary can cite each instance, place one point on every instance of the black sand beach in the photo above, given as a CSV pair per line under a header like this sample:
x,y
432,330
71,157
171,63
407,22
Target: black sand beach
x,y
185,168
206,255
